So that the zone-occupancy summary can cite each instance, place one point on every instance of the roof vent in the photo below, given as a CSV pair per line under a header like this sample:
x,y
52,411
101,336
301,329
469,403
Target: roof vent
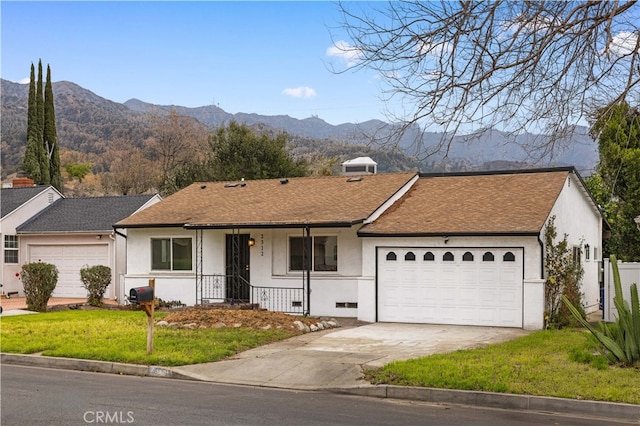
x,y
284,181
235,184
203,186
360,166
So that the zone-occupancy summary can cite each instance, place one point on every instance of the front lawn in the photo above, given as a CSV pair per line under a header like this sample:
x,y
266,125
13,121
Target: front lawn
x,y
121,336
547,363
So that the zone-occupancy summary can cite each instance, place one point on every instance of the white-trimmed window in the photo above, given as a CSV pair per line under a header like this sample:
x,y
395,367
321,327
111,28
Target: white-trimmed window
x,y
171,254
324,253
11,249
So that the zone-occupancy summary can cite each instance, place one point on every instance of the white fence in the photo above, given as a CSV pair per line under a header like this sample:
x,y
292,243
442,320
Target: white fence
x,y
629,274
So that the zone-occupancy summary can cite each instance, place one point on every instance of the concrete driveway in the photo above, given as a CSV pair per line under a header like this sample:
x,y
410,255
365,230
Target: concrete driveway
x,y
336,358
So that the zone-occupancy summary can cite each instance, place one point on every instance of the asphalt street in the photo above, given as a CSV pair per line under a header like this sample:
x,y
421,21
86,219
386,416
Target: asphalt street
x,y
32,395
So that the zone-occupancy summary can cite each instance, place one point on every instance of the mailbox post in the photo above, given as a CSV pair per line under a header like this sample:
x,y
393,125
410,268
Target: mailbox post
x,y
145,297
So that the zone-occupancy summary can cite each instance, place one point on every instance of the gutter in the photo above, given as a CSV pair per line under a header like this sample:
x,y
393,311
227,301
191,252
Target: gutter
x,y
449,234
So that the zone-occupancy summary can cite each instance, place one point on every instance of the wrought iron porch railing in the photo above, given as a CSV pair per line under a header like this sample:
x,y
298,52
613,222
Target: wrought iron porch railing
x,y
279,299
229,288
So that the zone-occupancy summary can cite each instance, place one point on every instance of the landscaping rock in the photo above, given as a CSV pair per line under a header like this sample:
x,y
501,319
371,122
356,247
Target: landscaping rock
x,y
313,327
162,323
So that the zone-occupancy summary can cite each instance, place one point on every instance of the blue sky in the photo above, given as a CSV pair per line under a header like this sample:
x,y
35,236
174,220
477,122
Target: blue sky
x,y
269,58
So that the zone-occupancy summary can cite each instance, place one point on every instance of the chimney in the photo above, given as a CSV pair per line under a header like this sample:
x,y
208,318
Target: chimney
x,y
22,183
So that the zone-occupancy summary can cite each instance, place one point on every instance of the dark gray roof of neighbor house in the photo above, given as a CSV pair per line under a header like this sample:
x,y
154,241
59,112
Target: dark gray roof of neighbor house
x,y
12,198
95,214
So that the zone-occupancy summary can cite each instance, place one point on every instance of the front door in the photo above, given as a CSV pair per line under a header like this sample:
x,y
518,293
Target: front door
x,y
237,267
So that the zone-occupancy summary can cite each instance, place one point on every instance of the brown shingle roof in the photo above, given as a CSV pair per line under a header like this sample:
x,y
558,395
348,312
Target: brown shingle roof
x,y
517,203
326,200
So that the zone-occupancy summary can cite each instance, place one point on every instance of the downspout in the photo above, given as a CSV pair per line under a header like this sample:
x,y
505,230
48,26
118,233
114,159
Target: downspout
x,y
309,260
115,230
121,296
541,257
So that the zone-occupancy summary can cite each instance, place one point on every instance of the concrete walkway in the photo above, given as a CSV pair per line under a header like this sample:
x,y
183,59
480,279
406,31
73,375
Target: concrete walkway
x,y
20,303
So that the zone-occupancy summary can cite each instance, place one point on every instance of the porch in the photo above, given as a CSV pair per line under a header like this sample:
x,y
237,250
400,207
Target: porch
x,y
235,285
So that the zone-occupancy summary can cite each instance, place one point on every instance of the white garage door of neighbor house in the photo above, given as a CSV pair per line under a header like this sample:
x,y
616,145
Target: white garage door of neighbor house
x,y
69,259
461,286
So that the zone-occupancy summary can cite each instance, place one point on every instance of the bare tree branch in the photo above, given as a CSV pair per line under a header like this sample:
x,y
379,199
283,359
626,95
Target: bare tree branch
x,y
518,66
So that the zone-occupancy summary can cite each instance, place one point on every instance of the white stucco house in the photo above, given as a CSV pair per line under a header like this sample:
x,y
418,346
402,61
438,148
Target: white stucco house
x,y
40,225
461,248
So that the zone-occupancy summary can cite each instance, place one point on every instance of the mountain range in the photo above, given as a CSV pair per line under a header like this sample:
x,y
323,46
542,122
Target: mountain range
x,y
88,123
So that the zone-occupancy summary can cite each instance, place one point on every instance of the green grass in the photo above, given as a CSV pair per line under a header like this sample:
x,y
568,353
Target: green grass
x,y
556,363
121,336
559,363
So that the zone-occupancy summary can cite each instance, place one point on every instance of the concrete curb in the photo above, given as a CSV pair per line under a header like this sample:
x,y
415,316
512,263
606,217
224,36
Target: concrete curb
x,y
608,410
92,366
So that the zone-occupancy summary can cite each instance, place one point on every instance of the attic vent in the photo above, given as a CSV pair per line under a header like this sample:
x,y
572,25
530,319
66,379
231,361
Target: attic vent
x,y
284,181
235,184
354,179
203,186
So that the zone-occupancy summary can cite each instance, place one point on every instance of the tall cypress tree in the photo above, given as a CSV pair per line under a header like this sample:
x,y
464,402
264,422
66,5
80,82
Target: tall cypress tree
x,y
45,176
31,161
50,134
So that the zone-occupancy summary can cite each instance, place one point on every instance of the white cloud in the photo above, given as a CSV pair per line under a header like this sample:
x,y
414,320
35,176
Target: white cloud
x,y
343,50
25,80
623,43
303,92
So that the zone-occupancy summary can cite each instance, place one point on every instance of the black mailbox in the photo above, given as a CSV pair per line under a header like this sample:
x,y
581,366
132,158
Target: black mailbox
x,y
141,294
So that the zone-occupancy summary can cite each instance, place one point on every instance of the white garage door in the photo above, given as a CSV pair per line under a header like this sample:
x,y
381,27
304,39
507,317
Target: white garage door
x,y
69,259
481,286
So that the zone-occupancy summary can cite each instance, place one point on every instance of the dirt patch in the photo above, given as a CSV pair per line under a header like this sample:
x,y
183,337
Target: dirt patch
x,y
249,318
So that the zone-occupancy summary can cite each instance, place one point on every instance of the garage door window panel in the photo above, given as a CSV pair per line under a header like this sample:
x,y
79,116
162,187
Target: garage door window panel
x,y
171,254
448,257
11,249
428,257
391,256
509,257
488,257
410,257
467,257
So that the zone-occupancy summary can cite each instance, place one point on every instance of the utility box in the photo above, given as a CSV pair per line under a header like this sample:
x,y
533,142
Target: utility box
x,y
141,294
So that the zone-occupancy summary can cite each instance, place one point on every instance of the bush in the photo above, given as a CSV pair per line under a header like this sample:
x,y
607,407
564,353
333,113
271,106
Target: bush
x,y
564,275
39,281
95,279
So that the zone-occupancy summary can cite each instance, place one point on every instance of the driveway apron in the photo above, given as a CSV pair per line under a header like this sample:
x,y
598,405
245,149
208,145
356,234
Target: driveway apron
x,y
336,358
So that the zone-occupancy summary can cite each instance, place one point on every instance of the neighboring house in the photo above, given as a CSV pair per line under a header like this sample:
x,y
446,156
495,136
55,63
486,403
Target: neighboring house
x,y
17,205
73,233
448,248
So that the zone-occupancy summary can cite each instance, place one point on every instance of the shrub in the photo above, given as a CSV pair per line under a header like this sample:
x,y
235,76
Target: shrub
x,y
621,340
564,274
39,281
95,279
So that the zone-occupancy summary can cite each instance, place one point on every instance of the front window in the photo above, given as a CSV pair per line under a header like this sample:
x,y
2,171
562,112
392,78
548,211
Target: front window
x,y
171,254
324,254
10,249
